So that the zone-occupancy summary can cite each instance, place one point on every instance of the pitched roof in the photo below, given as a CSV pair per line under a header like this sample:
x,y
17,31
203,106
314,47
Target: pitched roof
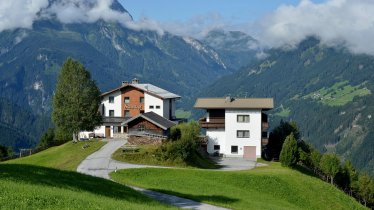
x,y
148,88
113,120
153,118
234,103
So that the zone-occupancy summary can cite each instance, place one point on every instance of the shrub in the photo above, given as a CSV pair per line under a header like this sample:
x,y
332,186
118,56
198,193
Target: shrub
x,y
182,144
288,156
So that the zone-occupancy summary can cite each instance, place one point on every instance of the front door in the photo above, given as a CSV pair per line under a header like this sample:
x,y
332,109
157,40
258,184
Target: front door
x,y
250,152
107,131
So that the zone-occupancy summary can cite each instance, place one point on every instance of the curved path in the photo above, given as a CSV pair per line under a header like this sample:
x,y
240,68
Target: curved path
x,y
100,164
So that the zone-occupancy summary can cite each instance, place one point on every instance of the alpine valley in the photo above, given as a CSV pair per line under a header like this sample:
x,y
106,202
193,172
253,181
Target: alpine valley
x,y
327,91
30,60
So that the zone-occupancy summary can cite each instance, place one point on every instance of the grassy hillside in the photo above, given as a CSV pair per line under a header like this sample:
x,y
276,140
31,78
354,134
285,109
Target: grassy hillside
x,y
27,183
33,187
64,157
272,187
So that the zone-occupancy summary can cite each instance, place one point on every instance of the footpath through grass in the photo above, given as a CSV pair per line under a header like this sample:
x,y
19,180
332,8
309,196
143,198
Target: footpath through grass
x,y
148,155
66,157
34,187
272,187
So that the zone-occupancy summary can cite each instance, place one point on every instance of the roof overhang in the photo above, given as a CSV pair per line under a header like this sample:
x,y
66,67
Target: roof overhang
x,y
236,103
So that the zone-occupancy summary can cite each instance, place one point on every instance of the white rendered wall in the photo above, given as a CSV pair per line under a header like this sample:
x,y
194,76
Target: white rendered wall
x,y
216,137
150,100
100,130
116,106
231,127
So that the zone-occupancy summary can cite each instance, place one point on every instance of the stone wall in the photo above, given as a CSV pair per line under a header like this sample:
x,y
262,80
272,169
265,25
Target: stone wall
x,y
142,140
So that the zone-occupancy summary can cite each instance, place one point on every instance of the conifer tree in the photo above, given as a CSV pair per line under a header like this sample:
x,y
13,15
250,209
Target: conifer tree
x,y
76,100
288,155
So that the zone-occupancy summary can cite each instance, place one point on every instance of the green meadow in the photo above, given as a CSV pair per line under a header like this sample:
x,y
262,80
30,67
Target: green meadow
x,y
270,187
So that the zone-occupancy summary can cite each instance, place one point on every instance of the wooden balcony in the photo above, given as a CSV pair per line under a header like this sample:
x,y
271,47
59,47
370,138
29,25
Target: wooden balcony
x,y
265,125
264,141
216,122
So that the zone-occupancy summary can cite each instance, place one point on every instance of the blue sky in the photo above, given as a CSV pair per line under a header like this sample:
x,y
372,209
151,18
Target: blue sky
x,y
237,11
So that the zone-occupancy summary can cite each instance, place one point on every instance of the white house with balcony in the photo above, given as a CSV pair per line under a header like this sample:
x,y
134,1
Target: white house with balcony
x,y
235,127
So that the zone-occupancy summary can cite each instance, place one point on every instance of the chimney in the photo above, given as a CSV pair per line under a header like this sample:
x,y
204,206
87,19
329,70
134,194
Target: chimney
x,y
125,83
135,81
229,99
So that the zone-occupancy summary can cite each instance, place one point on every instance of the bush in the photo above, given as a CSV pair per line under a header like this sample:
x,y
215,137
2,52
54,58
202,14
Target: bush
x,y
182,143
288,156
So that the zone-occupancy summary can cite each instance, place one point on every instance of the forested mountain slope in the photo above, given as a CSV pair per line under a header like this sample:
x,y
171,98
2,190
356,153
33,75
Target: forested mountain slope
x,y
328,91
30,61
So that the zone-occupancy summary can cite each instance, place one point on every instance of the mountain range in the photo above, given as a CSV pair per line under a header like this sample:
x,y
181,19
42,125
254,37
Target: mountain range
x,y
328,91
30,60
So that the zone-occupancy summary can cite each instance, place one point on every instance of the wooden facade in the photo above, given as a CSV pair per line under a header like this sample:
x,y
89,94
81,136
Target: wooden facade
x,y
142,125
135,106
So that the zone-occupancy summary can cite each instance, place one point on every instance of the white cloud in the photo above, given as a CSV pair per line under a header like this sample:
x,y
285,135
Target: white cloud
x,y
334,22
21,14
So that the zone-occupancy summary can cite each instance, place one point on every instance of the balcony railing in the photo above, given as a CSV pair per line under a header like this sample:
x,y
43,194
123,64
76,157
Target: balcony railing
x,y
264,141
214,122
265,125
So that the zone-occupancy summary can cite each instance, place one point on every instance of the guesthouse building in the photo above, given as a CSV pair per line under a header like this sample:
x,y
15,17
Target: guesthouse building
x,y
235,127
136,108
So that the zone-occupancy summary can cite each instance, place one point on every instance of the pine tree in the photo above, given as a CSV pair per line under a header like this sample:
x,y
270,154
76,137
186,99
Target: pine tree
x,y
76,100
288,155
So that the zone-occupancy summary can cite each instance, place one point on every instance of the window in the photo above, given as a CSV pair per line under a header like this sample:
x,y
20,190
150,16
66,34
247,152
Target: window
x,y
141,99
157,107
242,134
141,128
242,118
151,107
111,113
127,113
234,149
216,147
111,99
127,100
119,129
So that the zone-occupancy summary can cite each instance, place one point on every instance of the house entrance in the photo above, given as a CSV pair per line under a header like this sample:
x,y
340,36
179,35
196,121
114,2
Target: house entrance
x,y
107,131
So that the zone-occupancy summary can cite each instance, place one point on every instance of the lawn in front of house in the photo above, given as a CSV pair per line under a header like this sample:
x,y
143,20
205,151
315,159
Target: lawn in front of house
x,y
148,155
271,187
66,157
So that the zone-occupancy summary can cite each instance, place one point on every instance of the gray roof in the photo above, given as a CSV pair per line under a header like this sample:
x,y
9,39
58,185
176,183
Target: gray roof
x,y
148,88
156,90
153,118
234,103
114,120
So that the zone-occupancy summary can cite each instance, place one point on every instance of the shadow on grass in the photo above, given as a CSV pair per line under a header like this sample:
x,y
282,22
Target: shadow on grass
x,y
214,199
42,176
306,171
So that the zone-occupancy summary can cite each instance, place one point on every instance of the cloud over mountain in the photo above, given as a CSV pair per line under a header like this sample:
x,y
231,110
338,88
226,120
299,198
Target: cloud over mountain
x,y
335,22
22,14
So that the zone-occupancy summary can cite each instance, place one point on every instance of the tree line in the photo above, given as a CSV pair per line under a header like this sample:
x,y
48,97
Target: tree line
x,y
285,143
